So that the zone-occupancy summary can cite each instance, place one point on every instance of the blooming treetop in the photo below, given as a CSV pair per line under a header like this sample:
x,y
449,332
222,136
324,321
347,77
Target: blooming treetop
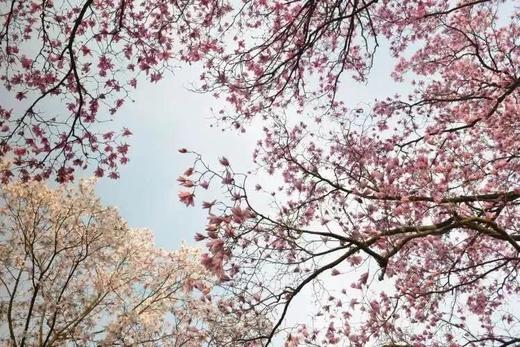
x,y
73,272
66,66
419,191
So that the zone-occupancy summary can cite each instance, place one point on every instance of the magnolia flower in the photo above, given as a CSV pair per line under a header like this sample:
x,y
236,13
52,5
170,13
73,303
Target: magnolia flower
x,y
187,198
223,161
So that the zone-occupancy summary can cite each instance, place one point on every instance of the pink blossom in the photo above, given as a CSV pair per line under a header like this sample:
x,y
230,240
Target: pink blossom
x,y
187,198
223,161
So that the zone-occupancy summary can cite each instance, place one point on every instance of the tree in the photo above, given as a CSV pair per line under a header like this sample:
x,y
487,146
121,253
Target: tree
x,y
419,191
66,66
73,273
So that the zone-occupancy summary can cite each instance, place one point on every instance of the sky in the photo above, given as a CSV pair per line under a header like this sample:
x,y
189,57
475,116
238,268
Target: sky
x,y
163,118
167,116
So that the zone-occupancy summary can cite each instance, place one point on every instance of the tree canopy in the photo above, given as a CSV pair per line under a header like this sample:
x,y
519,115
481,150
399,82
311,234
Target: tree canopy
x,y
73,273
409,202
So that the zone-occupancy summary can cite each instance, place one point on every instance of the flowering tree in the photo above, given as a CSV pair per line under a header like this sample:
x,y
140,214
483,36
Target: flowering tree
x,y
411,205
66,65
72,272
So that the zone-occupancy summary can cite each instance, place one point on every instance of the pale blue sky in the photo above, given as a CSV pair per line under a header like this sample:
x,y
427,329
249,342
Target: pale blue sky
x,y
167,116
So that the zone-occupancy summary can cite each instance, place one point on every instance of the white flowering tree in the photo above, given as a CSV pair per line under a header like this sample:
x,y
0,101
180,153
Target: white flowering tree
x,y
73,273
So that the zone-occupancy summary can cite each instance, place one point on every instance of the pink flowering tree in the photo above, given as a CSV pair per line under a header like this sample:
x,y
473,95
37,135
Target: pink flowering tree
x,y
73,272
68,66
410,205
